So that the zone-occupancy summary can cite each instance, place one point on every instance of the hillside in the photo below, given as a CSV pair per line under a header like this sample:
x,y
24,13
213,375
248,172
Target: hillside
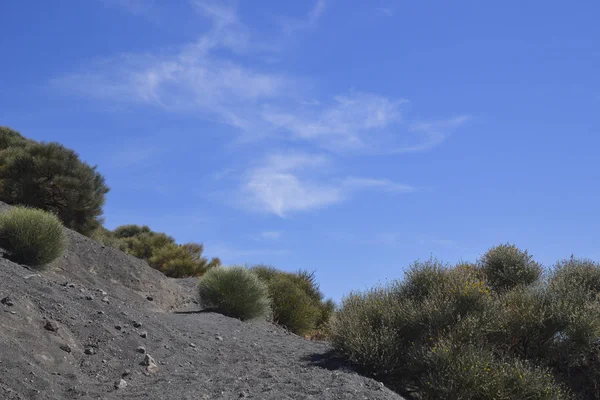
x,y
80,330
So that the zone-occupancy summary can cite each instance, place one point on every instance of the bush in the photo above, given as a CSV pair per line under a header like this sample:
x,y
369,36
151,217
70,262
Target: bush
x,y
297,301
162,253
445,333
11,138
471,372
50,177
292,307
506,267
234,291
32,237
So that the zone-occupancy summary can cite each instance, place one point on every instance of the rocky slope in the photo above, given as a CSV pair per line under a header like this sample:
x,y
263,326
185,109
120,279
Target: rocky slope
x,y
99,324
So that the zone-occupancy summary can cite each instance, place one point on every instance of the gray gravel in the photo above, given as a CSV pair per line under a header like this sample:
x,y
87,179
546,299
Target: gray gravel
x,y
87,329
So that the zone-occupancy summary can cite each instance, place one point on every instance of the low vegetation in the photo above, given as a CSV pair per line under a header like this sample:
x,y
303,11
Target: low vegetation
x,y
236,292
498,329
296,301
32,237
160,251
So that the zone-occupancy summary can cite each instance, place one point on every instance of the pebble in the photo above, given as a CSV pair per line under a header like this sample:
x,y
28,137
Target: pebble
x,y
90,351
118,327
89,297
144,334
149,298
149,363
51,326
141,350
126,373
65,348
137,324
121,384
192,345
219,338
7,301
106,299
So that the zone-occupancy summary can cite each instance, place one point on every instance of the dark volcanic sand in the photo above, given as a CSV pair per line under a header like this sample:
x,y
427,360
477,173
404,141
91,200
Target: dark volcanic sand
x,y
199,355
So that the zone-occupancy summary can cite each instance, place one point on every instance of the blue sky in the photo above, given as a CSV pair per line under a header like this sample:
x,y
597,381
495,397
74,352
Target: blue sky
x,y
346,137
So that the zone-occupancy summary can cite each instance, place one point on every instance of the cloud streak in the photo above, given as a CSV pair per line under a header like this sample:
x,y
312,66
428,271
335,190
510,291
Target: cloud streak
x,y
287,183
211,79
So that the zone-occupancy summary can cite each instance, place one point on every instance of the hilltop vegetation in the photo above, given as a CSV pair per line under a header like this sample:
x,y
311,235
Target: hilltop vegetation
x,y
497,329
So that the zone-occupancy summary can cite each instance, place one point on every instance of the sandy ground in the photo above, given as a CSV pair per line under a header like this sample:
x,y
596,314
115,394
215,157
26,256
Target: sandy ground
x,y
84,328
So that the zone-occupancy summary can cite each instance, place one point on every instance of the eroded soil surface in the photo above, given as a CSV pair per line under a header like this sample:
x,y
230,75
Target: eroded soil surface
x,y
83,328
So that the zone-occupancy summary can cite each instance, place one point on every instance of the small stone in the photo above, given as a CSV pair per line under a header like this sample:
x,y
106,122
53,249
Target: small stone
x,y
89,297
149,363
144,334
121,384
141,350
118,327
13,313
7,301
71,285
100,312
149,298
193,345
51,326
137,324
243,394
106,299
125,373
82,290
90,351
219,338
65,348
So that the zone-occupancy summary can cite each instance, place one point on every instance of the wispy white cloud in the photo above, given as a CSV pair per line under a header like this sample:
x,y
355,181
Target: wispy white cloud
x,y
384,184
211,79
432,133
349,123
287,183
293,25
277,187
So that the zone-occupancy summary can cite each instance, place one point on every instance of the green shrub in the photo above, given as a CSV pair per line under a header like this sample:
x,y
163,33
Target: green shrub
x,y
471,372
292,307
11,138
506,267
163,253
445,333
234,291
32,237
422,278
127,231
50,177
297,301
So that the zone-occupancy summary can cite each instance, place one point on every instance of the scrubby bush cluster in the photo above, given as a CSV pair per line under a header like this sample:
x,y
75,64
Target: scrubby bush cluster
x,y
497,329
236,292
159,250
296,301
50,177
31,237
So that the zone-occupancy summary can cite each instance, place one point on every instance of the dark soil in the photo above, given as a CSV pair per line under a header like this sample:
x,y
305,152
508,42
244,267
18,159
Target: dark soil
x,y
75,331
